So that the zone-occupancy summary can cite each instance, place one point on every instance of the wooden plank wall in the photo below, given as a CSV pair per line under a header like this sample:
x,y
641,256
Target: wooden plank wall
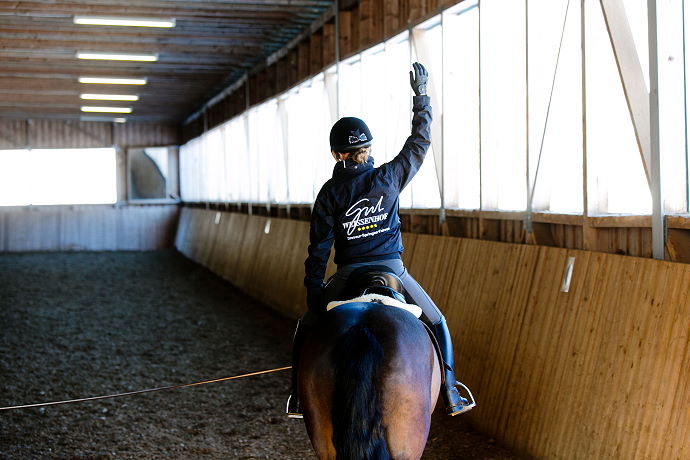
x,y
600,371
247,251
87,228
54,134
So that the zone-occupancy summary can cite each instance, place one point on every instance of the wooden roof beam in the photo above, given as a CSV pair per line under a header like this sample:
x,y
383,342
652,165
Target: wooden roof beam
x,y
117,68
202,33
71,46
246,12
213,5
37,40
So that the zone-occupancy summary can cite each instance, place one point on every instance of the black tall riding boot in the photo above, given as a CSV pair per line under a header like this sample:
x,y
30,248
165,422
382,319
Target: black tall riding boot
x,y
293,410
455,404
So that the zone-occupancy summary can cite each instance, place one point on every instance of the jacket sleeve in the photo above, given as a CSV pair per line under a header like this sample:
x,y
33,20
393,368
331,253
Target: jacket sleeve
x,y
321,235
405,165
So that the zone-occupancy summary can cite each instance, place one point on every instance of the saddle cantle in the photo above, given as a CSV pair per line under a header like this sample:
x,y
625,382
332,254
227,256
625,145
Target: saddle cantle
x,y
373,279
375,284
378,298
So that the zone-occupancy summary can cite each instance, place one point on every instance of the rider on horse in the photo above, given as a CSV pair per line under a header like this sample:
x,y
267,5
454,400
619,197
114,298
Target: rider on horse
x,y
358,210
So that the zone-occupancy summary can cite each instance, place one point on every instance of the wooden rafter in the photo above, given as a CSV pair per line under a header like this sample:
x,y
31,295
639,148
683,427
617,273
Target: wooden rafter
x,y
213,44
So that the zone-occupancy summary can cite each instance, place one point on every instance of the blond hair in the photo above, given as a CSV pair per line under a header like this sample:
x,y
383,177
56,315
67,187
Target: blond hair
x,y
360,155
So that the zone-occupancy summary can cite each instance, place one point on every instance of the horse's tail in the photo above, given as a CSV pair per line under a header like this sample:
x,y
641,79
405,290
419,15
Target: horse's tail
x,y
358,432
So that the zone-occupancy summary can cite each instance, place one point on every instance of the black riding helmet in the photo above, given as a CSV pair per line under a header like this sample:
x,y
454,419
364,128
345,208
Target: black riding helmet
x,y
350,133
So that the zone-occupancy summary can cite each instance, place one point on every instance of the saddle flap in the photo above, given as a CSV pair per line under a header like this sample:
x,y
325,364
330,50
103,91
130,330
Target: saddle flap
x,y
377,298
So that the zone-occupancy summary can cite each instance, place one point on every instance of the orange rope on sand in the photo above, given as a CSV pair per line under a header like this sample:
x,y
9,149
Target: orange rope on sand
x,y
148,390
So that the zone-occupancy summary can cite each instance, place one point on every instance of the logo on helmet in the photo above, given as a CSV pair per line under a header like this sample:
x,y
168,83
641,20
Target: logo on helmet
x,y
356,136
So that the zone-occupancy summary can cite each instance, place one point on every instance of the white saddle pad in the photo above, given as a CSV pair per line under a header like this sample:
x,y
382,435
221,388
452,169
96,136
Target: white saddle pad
x,y
378,298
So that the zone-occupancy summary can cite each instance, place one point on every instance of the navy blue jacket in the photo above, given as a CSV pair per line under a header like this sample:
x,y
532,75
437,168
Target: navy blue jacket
x,y
358,207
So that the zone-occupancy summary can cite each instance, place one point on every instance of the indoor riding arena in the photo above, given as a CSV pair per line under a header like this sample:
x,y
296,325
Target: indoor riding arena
x,y
164,166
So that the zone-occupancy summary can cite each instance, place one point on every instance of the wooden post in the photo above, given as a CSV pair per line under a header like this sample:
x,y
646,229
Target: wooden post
x,y
366,23
303,60
328,44
261,84
377,32
355,42
416,10
253,89
391,22
292,67
345,38
316,52
282,74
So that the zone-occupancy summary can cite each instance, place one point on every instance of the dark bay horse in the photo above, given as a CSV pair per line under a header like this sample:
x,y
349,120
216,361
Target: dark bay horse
x,y
368,382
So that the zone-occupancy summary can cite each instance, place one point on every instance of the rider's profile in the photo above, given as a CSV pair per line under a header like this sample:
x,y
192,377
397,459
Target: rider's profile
x,y
356,211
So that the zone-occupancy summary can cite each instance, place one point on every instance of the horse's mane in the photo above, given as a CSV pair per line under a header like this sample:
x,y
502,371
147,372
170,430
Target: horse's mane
x,y
358,433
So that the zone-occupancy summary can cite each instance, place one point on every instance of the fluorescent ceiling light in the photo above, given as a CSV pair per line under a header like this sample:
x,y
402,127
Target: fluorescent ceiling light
x,y
131,22
110,97
117,56
120,120
113,81
87,108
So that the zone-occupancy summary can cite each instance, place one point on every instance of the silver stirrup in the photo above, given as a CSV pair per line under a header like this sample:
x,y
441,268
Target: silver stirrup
x,y
291,414
470,405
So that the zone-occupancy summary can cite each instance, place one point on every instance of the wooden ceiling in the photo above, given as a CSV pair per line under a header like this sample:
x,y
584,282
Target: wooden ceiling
x,y
212,45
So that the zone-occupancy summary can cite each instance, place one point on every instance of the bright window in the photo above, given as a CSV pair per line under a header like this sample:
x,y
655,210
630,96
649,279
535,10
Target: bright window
x,y
617,182
672,105
461,109
57,176
427,47
555,106
506,86
503,121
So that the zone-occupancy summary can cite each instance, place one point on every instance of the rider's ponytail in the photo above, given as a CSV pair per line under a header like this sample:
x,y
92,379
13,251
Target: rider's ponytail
x,y
360,155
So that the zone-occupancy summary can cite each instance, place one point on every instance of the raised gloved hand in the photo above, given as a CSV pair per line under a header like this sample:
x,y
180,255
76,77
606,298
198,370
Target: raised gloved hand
x,y
418,79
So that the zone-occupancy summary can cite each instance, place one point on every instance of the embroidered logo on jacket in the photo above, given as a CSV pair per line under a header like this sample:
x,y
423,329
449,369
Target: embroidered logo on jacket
x,y
356,136
364,218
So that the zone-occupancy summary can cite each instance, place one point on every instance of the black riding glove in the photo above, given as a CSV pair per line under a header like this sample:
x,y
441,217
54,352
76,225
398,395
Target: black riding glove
x,y
418,79
315,298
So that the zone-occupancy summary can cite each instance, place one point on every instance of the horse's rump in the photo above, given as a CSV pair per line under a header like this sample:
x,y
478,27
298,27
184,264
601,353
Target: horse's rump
x,y
368,380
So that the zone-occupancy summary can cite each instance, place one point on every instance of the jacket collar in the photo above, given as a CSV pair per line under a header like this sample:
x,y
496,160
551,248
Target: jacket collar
x,y
348,167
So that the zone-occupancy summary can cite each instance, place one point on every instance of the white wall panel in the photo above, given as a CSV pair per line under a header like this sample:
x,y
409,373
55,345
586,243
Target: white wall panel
x,y
87,228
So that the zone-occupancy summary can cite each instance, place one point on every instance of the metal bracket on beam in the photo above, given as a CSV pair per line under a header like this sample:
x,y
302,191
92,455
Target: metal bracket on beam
x,y
527,222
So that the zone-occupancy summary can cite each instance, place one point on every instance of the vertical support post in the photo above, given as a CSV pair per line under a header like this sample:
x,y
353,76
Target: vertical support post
x,y
246,91
588,232
658,230
412,50
442,185
479,105
685,111
337,59
527,221
29,123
